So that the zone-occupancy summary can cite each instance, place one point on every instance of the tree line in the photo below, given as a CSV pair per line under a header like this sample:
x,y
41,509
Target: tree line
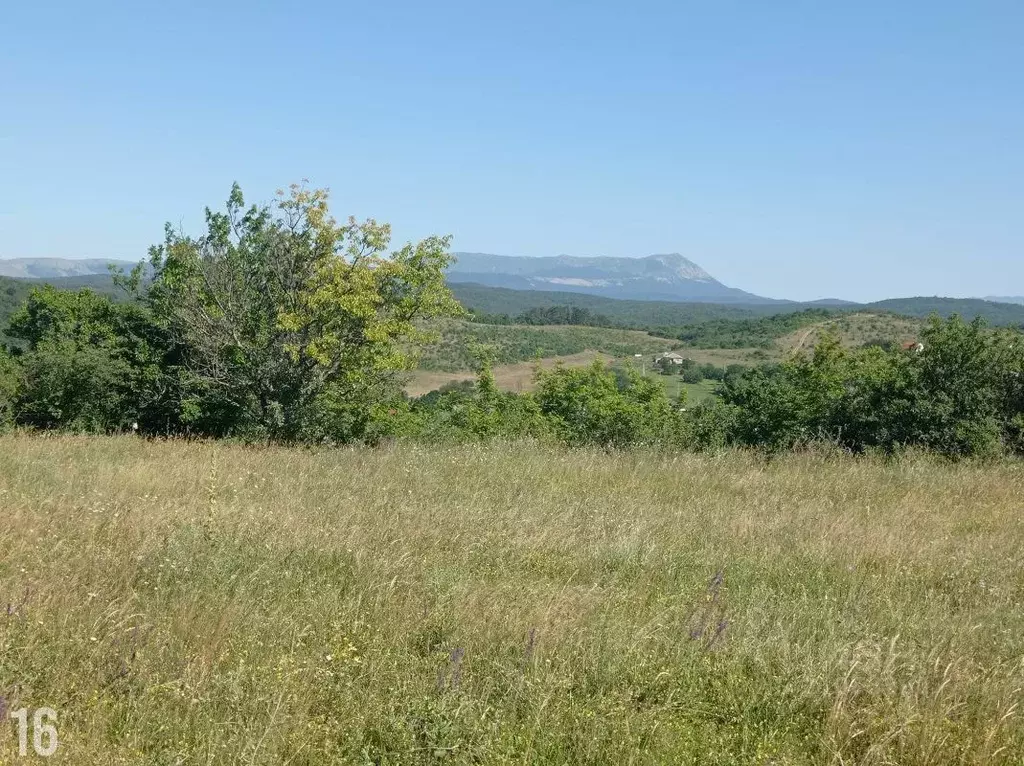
x,y
962,396
713,332
279,323
548,315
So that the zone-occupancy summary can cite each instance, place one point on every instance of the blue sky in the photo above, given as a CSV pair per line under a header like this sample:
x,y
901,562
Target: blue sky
x,y
794,149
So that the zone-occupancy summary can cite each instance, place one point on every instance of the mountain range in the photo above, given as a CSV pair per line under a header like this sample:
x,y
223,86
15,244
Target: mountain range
x,y
56,268
669,277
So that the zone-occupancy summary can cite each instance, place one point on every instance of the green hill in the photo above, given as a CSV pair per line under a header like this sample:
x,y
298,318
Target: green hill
x,y
1001,314
668,314
501,300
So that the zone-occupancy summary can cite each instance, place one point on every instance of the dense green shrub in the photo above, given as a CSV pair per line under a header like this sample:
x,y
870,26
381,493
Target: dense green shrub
x,y
692,374
91,364
477,411
10,382
294,327
960,396
586,405
710,425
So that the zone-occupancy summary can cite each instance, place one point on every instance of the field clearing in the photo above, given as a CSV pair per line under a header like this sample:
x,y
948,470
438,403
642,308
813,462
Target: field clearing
x,y
508,377
699,392
854,330
518,377
454,349
195,603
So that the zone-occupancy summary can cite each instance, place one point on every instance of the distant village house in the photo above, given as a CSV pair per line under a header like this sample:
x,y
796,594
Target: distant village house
x,y
669,357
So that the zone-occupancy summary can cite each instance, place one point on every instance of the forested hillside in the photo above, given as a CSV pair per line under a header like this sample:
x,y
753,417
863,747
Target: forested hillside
x,y
499,300
496,304
1000,314
667,314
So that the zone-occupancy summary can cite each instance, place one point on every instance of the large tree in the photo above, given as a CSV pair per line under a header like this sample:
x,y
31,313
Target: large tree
x,y
294,326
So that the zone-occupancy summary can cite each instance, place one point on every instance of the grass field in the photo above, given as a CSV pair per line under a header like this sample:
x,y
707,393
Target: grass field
x,y
854,330
698,392
510,344
508,377
188,603
519,376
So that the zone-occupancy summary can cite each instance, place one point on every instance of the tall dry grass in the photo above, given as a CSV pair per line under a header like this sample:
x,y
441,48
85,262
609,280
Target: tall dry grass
x,y
200,604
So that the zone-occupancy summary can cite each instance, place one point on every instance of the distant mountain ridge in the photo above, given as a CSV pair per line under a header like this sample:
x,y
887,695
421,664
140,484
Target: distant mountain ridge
x,y
57,268
511,284
666,277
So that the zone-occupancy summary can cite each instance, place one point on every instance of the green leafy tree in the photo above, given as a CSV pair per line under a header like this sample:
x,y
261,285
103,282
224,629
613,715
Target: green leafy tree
x,y
480,410
957,382
959,397
293,326
878,408
733,370
587,406
797,401
1010,356
90,364
768,408
10,383
949,398
693,374
710,426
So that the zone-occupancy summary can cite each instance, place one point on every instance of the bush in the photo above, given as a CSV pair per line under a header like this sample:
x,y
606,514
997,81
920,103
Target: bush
x,y
10,383
954,389
293,327
734,370
960,397
710,426
92,364
692,375
586,406
479,411
712,372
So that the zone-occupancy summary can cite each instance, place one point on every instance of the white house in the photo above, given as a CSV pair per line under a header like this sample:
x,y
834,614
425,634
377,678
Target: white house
x,y
669,357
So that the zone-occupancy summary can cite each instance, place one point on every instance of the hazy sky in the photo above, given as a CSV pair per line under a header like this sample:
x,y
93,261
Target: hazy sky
x,y
794,149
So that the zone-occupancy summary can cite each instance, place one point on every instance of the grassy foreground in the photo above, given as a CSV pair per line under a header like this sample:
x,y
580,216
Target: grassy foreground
x,y
193,603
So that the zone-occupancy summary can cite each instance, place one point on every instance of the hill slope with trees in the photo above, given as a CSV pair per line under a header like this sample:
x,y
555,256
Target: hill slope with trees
x,y
485,300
